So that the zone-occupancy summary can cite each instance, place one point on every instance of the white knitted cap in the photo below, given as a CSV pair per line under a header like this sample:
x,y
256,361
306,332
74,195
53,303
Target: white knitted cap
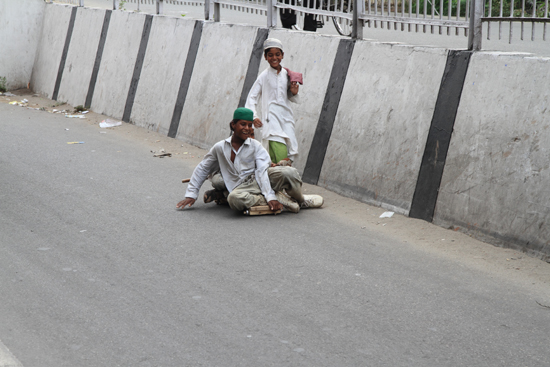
x,y
273,42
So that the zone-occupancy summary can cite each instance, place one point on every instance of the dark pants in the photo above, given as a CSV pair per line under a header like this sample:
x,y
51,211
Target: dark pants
x,y
288,17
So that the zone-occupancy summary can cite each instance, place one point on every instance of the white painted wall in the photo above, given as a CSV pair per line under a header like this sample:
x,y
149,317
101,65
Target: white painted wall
x,y
217,82
118,62
382,123
81,56
161,73
20,29
50,48
495,182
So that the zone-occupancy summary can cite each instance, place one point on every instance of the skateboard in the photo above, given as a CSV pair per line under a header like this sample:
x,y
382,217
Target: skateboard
x,y
260,210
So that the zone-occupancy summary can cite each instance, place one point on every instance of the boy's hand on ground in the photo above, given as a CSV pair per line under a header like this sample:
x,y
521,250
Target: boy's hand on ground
x,y
185,202
294,88
274,205
257,123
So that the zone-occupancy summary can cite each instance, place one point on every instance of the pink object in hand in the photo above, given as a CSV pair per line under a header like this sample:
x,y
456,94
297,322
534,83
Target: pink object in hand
x,y
295,76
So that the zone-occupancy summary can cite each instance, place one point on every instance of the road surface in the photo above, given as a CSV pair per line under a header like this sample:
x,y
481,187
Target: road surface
x,y
98,268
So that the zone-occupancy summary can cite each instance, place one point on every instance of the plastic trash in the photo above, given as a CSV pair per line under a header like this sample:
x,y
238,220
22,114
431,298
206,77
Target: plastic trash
x,y
76,116
109,123
387,215
161,153
22,103
75,142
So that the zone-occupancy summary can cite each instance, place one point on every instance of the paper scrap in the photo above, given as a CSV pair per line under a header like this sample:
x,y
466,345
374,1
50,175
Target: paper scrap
x,y
109,123
387,215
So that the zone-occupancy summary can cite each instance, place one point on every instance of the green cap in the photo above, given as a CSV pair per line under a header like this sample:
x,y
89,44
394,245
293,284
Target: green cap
x,y
242,113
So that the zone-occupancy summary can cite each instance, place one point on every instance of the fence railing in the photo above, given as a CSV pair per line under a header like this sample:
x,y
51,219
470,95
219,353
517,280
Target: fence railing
x,y
350,17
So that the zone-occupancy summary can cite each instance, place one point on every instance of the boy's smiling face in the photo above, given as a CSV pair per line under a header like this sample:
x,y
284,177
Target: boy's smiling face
x,y
243,129
274,56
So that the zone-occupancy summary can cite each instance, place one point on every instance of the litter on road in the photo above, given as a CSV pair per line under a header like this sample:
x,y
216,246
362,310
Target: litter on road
x,y
387,215
109,123
161,153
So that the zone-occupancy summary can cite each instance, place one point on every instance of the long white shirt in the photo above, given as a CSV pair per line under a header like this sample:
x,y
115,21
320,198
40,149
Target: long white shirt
x,y
250,158
270,90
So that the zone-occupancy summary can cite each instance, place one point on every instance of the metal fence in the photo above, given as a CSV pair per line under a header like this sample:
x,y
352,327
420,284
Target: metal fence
x,y
529,18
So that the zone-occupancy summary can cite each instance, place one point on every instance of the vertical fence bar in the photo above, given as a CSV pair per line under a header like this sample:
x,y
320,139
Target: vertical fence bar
x,y
489,23
475,31
457,15
115,4
216,11
523,16
511,23
159,6
534,14
500,22
271,13
358,23
206,9
546,16
449,15
410,13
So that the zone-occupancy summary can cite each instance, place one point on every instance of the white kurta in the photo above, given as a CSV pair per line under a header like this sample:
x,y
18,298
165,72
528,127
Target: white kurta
x,y
270,90
251,158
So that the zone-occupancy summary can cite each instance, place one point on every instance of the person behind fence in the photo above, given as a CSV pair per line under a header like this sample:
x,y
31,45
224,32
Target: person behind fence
x,y
244,164
273,91
288,16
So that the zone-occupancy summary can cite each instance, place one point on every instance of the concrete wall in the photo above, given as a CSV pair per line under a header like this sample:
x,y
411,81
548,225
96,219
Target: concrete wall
x,y
117,64
20,27
366,130
216,84
382,123
81,56
496,179
161,74
50,48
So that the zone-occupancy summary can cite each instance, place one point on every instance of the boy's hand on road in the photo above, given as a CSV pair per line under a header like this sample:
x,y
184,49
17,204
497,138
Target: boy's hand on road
x,y
294,88
185,202
274,205
257,123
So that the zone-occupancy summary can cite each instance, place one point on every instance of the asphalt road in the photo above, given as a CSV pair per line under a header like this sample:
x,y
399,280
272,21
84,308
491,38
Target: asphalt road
x,y
97,268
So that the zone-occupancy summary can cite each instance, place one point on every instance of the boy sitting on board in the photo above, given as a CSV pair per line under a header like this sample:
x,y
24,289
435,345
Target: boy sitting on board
x,y
244,163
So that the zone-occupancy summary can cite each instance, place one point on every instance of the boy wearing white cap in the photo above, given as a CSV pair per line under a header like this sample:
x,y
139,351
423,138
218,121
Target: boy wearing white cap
x,y
273,91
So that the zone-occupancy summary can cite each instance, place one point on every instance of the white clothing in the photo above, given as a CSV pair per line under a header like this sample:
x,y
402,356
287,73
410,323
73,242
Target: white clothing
x,y
250,158
277,117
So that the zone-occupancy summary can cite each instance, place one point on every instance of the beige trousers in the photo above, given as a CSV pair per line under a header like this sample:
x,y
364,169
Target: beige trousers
x,y
249,194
